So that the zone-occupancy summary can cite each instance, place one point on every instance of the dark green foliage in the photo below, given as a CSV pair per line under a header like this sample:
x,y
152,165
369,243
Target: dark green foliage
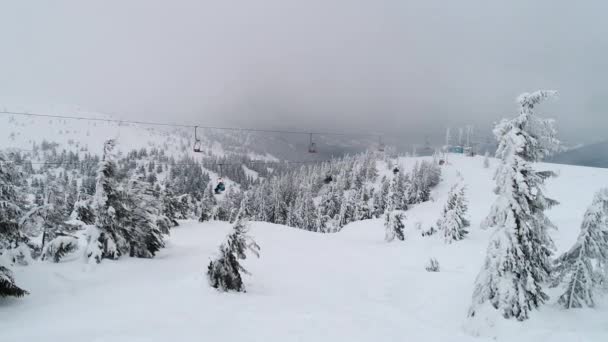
x,y
8,286
224,273
59,247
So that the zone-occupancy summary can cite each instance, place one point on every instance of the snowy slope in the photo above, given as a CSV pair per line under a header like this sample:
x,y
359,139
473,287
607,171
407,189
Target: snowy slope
x,y
349,286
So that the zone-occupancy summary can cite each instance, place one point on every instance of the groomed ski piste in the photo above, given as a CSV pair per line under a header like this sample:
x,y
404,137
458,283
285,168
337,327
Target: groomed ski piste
x,y
306,286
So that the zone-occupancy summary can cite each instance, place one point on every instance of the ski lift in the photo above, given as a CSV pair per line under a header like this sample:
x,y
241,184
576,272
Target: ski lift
x,y
220,187
197,141
396,170
312,147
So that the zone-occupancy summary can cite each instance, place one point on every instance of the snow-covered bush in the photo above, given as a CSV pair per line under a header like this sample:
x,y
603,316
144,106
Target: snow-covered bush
x,y
583,267
517,261
59,247
432,265
224,273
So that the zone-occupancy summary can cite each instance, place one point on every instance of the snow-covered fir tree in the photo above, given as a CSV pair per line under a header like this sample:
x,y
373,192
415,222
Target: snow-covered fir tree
x,y
105,240
517,261
145,225
10,234
381,197
363,211
583,267
453,221
224,273
59,247
48,217
208,204
394,224
170,204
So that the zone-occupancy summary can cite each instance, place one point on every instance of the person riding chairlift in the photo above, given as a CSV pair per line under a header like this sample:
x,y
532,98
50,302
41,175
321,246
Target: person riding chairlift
x,y
220,186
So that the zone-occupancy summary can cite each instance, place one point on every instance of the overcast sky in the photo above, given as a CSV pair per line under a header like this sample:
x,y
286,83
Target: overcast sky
x,y
408,67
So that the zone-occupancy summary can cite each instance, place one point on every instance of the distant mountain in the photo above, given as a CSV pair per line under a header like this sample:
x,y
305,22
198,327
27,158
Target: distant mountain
x,y
593,155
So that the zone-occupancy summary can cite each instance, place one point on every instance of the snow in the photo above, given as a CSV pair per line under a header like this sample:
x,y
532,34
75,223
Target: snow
x,y
250,173
348,286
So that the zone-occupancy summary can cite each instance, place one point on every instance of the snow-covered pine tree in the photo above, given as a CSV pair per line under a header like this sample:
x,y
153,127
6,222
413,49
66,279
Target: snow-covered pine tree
x,y
247,208
330,203
347,209
583,267
49,217
170,204
141,229
9,226
83,210
381,197
307,211
362,208
110,211
224,273
517,260
208,202
394,224
453,221
59,247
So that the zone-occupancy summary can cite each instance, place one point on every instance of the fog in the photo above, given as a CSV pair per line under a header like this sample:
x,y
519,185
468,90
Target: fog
x,y
404,68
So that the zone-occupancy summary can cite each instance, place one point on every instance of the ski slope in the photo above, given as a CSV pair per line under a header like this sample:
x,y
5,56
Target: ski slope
x,y
348,286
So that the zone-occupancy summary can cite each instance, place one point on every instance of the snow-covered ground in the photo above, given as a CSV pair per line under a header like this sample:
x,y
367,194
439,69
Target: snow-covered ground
x,y
348,286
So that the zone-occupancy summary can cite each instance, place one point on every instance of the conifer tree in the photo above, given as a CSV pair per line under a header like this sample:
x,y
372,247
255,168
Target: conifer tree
x,y
170,204
224,273
208,202
453,221
49,217
381,197
110,211
517,261
144,225
9,227
394,224
583,267
362,208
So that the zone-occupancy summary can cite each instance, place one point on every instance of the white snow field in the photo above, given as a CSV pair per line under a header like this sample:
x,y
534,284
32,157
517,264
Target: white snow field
x,y
348,286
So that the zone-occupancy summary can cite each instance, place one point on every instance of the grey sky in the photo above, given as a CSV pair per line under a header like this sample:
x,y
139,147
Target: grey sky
x,y
407,67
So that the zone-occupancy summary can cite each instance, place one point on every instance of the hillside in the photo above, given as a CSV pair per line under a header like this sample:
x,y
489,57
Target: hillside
x,y
594,155
347,286
22,133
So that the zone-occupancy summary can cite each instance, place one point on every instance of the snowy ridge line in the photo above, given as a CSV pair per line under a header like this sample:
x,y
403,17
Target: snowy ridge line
x,y
151,123
176,164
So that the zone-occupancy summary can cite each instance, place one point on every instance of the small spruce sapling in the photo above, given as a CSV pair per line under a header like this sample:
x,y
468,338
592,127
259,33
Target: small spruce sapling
x,y
432,265
224,273
394,224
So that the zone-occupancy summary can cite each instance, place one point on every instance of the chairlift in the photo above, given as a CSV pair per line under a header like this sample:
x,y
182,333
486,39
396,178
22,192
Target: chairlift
x,y
197,141
312,146
220,187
